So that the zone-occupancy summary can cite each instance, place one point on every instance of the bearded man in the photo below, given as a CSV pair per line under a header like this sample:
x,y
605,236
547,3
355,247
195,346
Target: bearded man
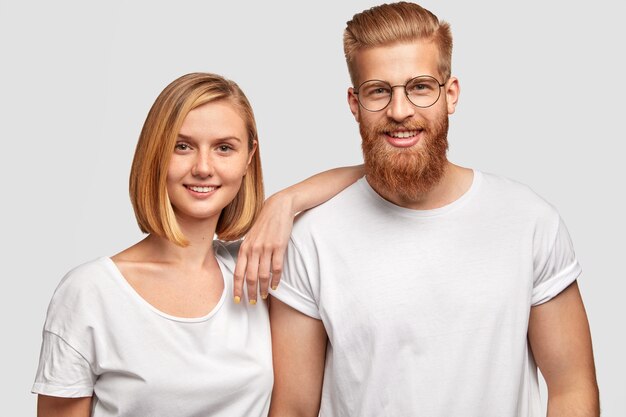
x,y
426,288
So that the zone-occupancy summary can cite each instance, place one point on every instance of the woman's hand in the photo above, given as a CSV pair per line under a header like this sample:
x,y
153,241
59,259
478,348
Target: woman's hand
x,y
262,251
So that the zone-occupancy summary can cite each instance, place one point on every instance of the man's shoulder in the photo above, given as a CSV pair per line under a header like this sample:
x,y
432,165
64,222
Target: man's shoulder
x,y
344,201
504,192
333,215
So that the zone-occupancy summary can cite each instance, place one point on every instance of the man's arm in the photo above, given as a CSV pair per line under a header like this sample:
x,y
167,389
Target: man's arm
x,y
299,352
63,407
560,340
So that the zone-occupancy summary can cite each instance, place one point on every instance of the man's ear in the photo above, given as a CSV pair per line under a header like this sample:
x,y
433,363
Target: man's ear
x,y
453,89
353,102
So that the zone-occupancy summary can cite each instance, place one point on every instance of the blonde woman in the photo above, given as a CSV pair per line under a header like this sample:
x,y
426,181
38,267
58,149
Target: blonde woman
x,y
163,328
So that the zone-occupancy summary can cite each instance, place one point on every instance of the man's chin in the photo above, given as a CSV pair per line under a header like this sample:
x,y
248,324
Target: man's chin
x,y
406,171
408,175
405,189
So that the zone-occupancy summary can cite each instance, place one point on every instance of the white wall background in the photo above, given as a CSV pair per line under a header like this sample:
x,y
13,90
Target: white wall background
x,y
542,101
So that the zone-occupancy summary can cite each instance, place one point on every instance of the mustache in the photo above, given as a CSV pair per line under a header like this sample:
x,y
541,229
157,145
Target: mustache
x,y
389,126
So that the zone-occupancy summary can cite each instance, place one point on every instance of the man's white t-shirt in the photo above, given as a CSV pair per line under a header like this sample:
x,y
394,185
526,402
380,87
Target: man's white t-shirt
x,y
102,338
427,311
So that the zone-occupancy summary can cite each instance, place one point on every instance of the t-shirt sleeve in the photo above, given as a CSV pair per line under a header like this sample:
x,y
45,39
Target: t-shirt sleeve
x,y
63,371
296,288
555,263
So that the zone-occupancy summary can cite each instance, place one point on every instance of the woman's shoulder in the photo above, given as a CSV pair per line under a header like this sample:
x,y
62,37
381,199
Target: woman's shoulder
x,y
227,251
227,248
86,276
81,287
79,302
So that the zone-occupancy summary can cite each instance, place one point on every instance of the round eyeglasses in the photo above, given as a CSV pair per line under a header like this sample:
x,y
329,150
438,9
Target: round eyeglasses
x,y
422,91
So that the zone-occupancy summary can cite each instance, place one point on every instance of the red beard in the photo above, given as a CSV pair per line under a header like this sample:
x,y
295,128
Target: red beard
x,y
406,172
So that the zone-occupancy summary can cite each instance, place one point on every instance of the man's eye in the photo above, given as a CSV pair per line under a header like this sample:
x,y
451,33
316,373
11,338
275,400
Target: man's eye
x,y
377,92
421,87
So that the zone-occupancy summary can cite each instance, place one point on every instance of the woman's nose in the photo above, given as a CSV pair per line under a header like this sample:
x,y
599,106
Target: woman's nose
x,y
203,167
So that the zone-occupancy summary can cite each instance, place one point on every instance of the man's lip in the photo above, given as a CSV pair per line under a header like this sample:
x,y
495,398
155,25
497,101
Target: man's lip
x,y
401,130
403,142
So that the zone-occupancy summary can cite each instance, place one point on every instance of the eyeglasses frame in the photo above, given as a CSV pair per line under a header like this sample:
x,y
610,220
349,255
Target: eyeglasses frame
x,y
406,94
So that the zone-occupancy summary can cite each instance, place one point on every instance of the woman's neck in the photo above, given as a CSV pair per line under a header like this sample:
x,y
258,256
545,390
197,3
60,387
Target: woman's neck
x,y
198,254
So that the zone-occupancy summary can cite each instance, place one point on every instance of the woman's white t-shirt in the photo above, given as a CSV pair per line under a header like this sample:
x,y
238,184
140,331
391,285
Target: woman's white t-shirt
x,y
102,338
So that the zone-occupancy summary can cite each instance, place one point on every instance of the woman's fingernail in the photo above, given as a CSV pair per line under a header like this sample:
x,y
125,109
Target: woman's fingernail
x,y
237,299
274,287
253,302
264,296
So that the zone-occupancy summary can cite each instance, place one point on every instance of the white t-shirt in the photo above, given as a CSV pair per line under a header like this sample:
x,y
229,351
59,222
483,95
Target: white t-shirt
x,y
101,337
427,311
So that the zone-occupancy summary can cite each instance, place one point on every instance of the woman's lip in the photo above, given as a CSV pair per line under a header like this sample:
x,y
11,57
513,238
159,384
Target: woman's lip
x,y
202,194
201,185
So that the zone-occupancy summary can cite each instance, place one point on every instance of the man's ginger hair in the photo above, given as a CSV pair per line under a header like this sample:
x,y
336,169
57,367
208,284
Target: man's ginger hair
x,y
388,24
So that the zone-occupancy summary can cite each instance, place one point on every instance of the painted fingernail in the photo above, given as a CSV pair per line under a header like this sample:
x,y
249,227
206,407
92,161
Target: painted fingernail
x,y
237,299
264,296
253,302
274,287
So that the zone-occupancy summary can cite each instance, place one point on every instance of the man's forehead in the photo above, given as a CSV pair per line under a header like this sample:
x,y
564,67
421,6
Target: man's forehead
x,y
398,60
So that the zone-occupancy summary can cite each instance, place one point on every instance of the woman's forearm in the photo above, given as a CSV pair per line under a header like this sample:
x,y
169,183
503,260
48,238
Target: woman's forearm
x,y
319,188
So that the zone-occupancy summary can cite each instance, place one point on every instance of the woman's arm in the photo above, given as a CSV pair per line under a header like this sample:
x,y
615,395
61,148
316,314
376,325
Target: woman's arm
x,y
63,407
261,253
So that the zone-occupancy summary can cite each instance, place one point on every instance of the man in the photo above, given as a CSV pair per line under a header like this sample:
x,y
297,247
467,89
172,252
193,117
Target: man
x,y
425,289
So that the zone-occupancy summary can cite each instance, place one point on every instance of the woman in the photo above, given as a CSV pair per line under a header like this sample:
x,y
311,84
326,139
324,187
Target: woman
x,y
151,331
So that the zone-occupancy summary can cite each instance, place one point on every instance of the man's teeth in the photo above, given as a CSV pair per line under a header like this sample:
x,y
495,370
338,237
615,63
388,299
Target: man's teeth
x,y
406,134
201,189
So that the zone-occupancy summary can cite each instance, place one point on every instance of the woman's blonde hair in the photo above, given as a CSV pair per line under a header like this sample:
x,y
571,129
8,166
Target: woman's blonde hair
x,y
148,175
392,23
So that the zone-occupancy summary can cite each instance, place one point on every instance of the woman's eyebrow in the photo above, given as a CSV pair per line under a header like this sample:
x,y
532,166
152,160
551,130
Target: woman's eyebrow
x,y
190,138
184,137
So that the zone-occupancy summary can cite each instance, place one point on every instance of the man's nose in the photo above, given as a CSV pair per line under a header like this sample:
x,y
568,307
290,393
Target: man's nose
x,y
400,108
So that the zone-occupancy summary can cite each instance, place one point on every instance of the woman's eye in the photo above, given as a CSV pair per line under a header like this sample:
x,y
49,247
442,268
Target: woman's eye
x,y
181,147
224,148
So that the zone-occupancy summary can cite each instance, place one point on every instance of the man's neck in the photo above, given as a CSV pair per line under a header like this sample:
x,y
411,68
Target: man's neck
x,y
454,183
